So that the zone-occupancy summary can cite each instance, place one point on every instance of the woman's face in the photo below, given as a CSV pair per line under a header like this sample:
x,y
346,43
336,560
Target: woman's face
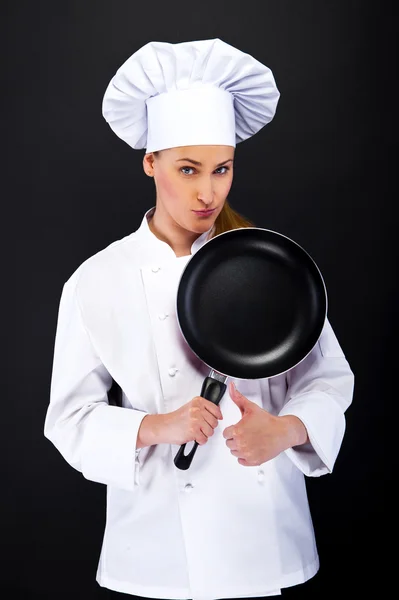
x,y
191,178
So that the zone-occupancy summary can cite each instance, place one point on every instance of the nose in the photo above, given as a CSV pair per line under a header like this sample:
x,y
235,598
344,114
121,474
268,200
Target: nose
x,y
205,192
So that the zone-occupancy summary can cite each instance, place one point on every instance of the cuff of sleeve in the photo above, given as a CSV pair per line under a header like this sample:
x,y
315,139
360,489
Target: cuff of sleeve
x,y
109,446
325,425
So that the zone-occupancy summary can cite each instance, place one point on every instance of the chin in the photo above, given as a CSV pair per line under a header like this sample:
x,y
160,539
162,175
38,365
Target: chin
x,y
203,223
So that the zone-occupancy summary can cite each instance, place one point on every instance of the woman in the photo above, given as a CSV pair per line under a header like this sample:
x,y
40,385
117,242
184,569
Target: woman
x,y
237,523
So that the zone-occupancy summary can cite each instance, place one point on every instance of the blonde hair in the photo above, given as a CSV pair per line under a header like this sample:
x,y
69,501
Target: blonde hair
x,y
228,218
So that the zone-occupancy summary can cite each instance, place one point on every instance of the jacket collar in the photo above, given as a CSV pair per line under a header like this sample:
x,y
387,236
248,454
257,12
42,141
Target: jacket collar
x,y
157,250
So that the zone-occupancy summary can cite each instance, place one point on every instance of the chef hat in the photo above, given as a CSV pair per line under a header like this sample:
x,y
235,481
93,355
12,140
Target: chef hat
x,y
191,93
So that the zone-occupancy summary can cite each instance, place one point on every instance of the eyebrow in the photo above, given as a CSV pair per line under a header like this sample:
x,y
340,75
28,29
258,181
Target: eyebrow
x,y
195,162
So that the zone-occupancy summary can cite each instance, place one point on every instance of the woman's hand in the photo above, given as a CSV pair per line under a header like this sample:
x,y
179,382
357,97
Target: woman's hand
x,y
194,421
260,436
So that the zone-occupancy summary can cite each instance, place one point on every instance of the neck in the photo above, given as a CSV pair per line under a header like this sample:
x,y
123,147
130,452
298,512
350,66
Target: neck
x,y
167,230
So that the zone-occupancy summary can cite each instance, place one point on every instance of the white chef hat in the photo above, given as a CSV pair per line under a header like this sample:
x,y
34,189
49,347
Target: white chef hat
x,y
191,93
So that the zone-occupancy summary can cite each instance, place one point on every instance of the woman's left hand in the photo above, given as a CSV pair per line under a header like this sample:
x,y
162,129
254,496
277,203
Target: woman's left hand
x,y
260,436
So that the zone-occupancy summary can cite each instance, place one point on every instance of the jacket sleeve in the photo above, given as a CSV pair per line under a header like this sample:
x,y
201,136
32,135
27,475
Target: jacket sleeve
x,y
94,437
319,390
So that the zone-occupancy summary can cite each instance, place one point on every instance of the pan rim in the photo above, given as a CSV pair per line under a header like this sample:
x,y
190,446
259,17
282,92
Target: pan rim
x,y
321,279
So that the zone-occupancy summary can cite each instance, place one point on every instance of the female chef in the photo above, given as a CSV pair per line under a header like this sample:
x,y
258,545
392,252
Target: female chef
x,y
237,523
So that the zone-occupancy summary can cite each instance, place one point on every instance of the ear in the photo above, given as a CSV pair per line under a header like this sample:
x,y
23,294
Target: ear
x,y
148,164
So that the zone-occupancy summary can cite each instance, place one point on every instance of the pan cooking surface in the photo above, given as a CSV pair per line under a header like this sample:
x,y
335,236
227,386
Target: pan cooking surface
x,y
251,303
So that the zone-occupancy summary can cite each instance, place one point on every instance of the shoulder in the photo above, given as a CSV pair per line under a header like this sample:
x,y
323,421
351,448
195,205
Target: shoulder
x,y
104,267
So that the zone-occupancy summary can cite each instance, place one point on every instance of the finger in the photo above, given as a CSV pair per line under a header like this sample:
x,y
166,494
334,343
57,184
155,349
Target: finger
x,y
213,408
201,439
207,430
248,463
236,453
210,419
231,444
229,433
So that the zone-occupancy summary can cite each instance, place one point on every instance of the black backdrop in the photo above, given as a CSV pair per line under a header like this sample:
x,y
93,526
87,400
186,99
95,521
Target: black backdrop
x,y
318,173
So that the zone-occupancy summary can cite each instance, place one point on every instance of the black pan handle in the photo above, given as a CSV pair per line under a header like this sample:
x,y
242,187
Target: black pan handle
x,y
213,390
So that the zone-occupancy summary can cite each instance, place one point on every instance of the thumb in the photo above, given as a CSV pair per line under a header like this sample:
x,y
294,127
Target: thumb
x,y
237,397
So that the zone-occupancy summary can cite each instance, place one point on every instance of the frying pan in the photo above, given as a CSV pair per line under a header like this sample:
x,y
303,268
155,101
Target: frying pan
x,y
251,303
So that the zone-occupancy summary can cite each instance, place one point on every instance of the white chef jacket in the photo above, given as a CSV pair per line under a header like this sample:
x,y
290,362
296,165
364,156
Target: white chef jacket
x,y
218,529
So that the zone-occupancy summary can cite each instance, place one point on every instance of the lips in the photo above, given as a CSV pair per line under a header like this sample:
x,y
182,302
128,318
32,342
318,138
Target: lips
x,y
204,212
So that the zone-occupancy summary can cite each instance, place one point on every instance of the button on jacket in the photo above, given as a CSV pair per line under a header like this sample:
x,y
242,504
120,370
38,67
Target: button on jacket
x,y
218,529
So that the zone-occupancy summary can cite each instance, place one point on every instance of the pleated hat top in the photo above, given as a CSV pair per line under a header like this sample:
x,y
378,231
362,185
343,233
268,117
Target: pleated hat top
x,y
202,92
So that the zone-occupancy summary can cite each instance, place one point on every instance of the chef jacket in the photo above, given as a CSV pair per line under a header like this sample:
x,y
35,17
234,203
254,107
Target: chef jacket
x,y
218,529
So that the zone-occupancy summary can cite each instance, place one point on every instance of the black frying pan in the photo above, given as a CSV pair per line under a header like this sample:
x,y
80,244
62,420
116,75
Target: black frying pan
x,y
251,303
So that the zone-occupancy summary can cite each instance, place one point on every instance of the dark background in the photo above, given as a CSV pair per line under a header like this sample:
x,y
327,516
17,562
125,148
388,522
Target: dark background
x,y
319,173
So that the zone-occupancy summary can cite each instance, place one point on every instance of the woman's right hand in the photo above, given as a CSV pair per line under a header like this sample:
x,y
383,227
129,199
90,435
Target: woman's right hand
x,y
194,421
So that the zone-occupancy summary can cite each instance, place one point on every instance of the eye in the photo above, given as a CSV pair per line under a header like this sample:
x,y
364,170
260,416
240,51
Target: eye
x,y
192,168
227,168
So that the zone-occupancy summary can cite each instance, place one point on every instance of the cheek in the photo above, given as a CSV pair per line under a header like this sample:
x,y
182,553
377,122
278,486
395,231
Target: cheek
x,y
225,186
167,185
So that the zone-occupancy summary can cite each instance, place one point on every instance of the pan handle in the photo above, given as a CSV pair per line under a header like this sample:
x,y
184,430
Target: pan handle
x,y
212,390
